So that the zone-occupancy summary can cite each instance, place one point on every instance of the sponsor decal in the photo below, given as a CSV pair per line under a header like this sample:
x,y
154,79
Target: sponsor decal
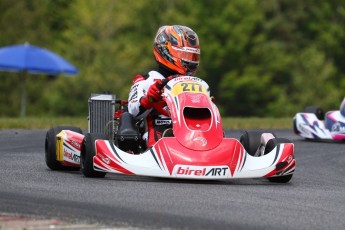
x,y
134,87
104,159
201,171
75,144
162,122
290,158
338,127
133,96
188,78
203,140
187,49
71,156
196,79
195,98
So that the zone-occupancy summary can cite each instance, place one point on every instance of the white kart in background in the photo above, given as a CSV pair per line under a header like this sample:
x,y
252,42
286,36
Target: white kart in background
x,y
314,124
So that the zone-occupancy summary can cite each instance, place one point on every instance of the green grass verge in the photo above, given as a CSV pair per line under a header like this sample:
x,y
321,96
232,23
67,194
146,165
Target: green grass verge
x,y
228,123
42,122
257,123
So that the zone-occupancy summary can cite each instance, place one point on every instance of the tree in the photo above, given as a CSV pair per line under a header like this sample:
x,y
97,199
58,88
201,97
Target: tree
x,y
260,58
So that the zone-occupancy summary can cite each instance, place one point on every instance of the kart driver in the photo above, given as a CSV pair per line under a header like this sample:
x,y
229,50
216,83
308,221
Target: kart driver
x,y
177,52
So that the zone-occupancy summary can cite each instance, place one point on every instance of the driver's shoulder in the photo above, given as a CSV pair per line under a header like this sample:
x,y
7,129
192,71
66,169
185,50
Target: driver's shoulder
x,y
154,75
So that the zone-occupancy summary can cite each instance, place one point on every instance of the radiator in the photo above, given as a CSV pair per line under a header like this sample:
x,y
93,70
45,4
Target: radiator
x,y
101,114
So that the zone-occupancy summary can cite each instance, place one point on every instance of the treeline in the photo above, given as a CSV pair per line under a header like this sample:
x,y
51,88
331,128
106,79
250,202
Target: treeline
x,y
260,57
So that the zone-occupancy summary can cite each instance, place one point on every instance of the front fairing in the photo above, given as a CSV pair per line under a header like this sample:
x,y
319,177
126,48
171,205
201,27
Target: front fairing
x,y
196,120
168,158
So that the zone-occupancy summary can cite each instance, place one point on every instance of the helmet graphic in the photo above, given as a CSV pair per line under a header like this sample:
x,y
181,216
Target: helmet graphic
x,y
177,49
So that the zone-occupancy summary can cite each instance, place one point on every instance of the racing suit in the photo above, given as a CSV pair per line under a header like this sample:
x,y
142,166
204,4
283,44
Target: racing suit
x,y
156,122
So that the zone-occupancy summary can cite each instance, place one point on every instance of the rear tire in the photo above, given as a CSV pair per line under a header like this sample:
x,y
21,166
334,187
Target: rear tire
x,y
50,147
88,151
319,113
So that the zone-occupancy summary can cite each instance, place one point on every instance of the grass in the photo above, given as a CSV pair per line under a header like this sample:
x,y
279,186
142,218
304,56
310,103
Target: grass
x,y
42,122
82,122
257,123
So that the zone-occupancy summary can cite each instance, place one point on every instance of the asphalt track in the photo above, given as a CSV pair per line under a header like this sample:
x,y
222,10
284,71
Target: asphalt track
x,y
314,199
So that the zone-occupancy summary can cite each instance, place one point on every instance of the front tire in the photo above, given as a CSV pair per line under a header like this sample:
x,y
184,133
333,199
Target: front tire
x,y
88,151
50,146
251,141
272,143
280,179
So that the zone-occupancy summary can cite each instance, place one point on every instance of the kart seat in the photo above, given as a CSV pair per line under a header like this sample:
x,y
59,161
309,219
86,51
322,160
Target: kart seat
x,y
128,135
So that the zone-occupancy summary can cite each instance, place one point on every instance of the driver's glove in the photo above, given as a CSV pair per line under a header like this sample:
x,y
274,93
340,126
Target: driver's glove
x,y
153,94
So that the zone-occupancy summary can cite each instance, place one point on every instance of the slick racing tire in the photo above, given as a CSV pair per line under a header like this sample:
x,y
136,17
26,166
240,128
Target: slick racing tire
x,y
251,140
50,147
88,152
271,144
280,179
320,114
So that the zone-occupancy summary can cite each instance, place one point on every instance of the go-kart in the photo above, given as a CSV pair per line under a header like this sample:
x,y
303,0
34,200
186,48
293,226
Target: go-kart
x,y
314,124
195,148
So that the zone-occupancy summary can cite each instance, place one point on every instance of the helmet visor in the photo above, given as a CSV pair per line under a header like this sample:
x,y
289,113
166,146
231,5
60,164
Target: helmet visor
x,y
186,53
190,66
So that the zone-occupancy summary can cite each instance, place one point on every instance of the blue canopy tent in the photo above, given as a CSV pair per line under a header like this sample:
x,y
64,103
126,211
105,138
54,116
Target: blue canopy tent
x,y
27,58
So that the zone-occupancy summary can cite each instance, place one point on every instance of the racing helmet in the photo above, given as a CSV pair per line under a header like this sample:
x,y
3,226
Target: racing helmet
x,y
342,107
177,49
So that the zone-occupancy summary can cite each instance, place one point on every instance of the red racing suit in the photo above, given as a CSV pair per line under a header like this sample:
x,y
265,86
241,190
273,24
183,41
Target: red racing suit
x,y
157,118
156,122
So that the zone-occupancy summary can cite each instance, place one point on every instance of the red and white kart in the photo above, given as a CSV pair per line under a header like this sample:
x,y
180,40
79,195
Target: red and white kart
x,y
195,149
314,124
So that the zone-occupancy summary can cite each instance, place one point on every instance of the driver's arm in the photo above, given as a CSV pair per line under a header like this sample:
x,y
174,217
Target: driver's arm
x,y
138,90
